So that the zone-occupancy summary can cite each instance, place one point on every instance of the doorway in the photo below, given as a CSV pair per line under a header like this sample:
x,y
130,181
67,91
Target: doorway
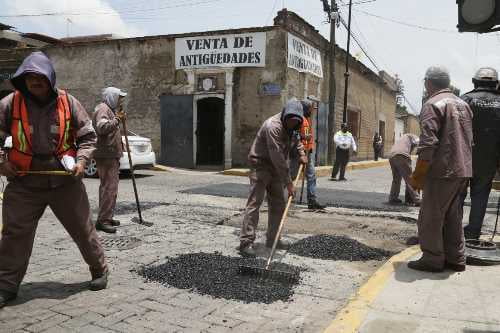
x,y
210,131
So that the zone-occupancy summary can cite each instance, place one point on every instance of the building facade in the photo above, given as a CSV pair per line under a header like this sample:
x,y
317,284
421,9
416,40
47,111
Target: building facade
x,y
201,97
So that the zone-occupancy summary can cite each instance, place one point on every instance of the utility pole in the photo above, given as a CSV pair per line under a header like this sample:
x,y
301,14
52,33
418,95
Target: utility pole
x,y
346,74
332,12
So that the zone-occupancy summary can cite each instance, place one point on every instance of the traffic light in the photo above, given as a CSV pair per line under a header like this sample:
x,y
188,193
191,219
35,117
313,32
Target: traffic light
x,y
478,15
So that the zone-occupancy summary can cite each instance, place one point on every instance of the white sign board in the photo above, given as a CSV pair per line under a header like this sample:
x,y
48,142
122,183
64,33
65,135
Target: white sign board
x,y
303,57
241,50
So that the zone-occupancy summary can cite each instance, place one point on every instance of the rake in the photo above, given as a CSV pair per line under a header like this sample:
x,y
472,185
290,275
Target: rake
x,y
267,272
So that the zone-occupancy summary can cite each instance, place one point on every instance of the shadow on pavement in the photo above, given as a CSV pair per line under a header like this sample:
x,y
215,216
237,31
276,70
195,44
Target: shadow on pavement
x,y
48,290
405,274
330,197
128,175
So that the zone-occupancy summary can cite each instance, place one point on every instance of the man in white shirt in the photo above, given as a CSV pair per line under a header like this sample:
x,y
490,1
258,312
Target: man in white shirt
x,y
344,141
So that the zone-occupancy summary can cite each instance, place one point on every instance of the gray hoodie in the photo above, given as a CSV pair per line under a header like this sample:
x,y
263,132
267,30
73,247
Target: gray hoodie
x,y
273,142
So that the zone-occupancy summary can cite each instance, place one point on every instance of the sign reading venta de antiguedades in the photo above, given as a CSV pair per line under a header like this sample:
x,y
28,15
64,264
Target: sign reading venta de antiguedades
x,y
303,57
241,50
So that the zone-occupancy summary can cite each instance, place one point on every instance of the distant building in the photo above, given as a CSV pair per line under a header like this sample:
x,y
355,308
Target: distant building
x,y
201,97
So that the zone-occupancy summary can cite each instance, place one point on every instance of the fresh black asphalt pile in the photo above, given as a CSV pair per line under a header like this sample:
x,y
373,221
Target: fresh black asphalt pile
x,y
337,248
218,276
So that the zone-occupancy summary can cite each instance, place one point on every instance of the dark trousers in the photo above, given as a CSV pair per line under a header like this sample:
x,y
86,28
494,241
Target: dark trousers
x,y
23,207
341,160
480,189
377,152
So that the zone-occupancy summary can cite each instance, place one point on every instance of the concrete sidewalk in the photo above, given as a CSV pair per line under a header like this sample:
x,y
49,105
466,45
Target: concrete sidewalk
x,y
397,299
321,171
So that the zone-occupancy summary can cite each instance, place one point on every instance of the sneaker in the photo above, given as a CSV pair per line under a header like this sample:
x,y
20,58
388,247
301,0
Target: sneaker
x,y
247,250
454,267
106,227
282,245
99,281
313,204
420,265
5,297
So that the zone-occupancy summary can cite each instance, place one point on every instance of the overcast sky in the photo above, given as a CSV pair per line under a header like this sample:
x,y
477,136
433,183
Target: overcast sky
x,y
429,36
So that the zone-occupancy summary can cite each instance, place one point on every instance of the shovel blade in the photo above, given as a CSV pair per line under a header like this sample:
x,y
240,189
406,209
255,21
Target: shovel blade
x,y
142,222
269,274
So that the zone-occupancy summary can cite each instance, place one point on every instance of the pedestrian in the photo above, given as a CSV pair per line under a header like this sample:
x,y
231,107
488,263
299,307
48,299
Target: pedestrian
x,y
344,141
400,162
49,129
378,145
270,174
484,101
443,169
307,139
109,149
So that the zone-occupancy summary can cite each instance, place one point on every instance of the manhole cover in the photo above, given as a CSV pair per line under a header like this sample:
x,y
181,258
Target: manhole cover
x,y
120,243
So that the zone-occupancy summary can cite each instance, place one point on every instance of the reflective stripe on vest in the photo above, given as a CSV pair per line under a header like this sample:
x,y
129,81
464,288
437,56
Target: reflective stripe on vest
x,y
21,152
306,131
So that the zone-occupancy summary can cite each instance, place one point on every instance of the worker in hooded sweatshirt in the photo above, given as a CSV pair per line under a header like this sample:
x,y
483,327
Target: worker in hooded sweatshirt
x,y
443,169
50,130
106,119
270,174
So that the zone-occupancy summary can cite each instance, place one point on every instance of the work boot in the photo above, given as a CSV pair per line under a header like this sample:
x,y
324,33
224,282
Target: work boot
x,y
115,223
106,227
395,202
333,179
99,281
343,179
412,203
412,240
313,204
247,250
420,265
454,267
5,297
282,244
470,235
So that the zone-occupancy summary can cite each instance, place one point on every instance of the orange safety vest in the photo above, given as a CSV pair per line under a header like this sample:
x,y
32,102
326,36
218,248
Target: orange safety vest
x,y
21,154
306,134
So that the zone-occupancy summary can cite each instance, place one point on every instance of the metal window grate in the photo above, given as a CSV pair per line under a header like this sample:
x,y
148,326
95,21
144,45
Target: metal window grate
x,y
120,243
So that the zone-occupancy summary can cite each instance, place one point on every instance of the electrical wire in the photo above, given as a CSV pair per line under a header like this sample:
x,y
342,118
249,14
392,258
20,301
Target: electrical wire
x,y
421,27
271,13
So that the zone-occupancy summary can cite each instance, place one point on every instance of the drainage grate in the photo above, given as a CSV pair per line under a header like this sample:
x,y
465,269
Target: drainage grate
x,y
120,243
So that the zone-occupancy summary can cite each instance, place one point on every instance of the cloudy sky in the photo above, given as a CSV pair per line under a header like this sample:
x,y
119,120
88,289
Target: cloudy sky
x,y
401,37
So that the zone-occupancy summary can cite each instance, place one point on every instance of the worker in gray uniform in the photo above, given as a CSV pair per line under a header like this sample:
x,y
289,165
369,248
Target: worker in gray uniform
x,y
51,131
106,119
443,169
270,174
400,162
484,101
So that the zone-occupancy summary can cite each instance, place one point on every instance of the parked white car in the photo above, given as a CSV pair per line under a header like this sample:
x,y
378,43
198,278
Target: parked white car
x,y
141,151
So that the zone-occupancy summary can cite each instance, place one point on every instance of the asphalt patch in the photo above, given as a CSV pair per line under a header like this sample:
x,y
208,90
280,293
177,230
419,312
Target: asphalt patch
x,y
337,248
330,197
218,276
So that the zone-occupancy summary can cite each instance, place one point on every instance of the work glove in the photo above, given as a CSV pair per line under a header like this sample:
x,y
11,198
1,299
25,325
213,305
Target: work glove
x,y
8,169
121,115
78,170
291,189
417,178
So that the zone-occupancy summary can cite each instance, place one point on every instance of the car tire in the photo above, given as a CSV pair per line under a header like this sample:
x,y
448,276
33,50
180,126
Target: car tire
x,y
91,169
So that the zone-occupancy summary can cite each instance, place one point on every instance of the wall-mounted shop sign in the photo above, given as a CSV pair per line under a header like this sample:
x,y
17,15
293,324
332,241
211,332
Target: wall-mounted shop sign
x,y
303,57
241,50
270,89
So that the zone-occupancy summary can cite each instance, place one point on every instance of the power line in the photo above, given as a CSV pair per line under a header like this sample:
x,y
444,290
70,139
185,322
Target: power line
x,y
271,13
115,12
421,27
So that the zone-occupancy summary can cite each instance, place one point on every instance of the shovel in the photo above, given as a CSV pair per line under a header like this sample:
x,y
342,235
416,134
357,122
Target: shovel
x,y
47,172
267,272
135,219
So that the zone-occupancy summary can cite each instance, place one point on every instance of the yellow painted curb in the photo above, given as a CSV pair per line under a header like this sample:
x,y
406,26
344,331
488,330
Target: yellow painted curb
x,y
350,318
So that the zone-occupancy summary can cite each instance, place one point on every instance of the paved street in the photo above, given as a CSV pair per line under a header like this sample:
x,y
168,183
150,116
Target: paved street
x,y
192,213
